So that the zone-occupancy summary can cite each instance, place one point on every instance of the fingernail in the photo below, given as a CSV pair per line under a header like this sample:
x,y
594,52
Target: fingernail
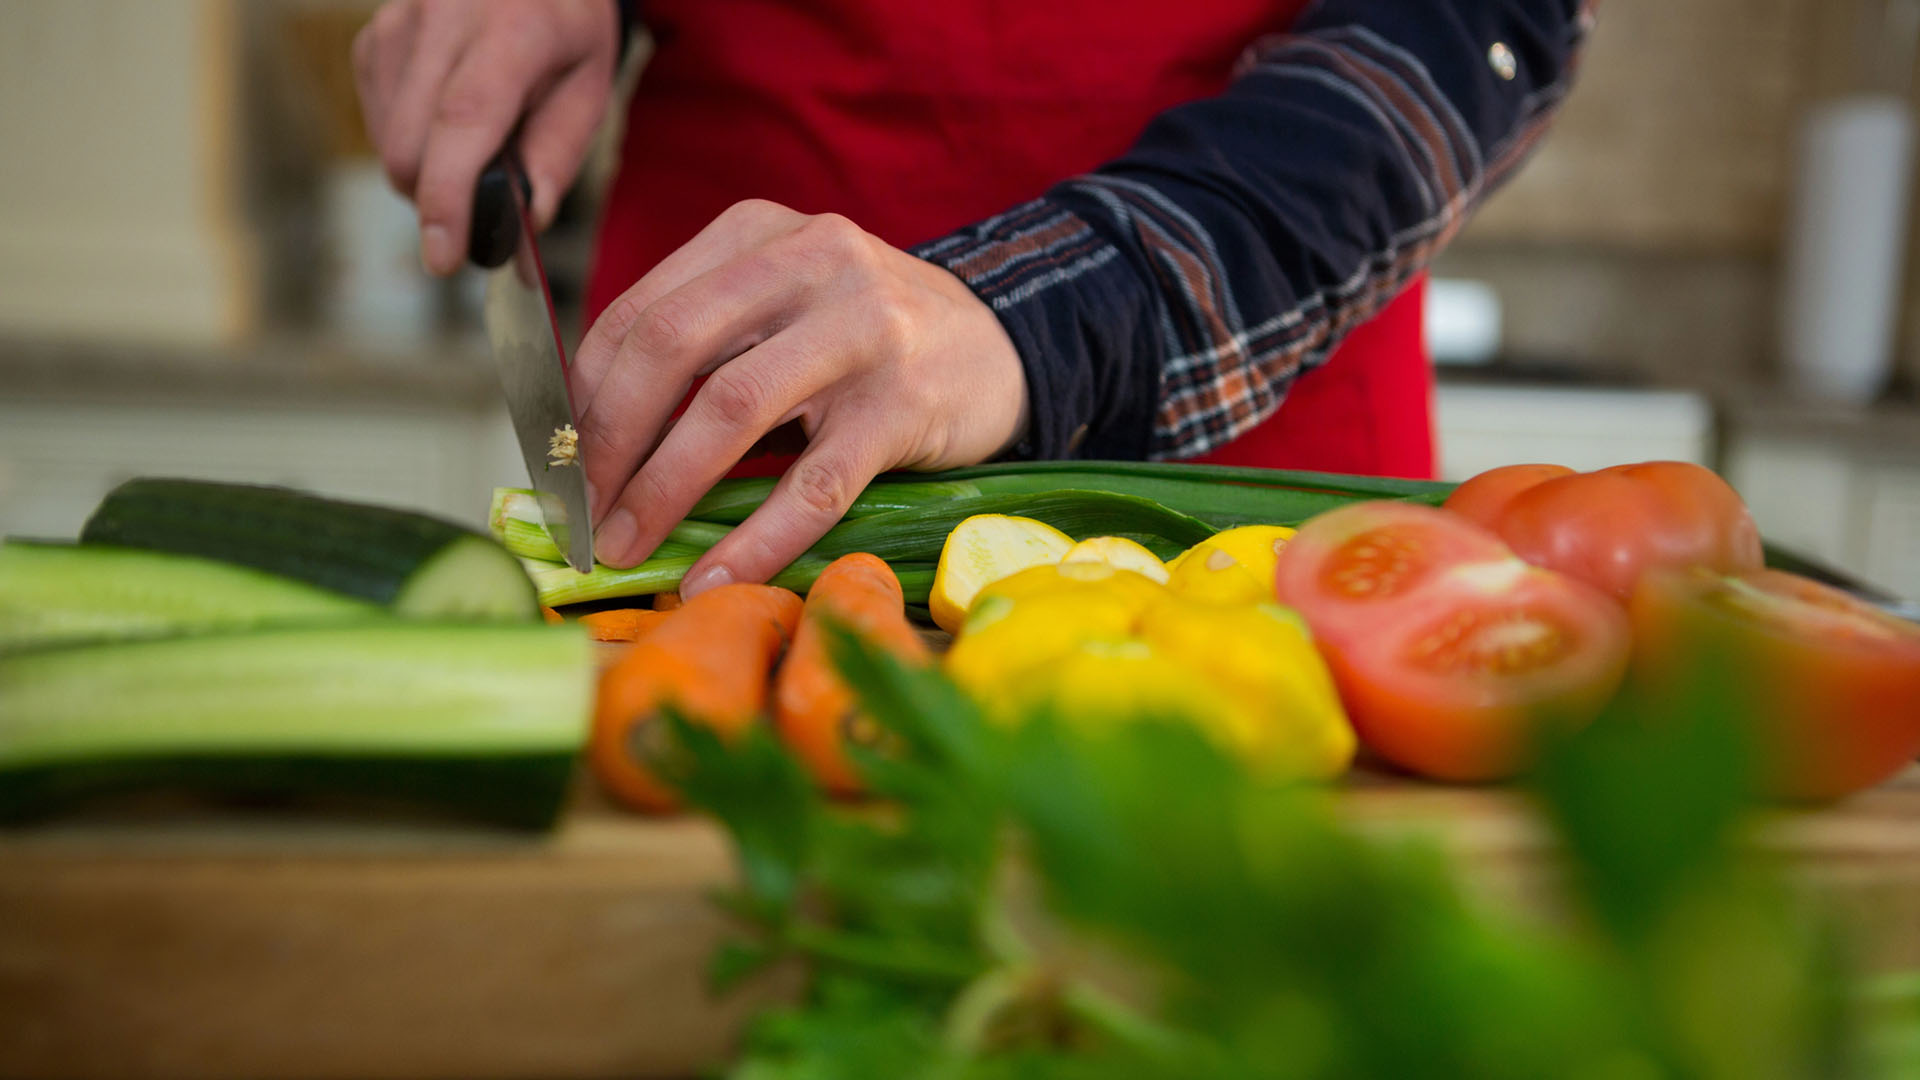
x,y
436,249
614,538
711,578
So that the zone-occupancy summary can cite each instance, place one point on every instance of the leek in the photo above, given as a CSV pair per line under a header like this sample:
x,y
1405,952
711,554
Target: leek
x,y
905,518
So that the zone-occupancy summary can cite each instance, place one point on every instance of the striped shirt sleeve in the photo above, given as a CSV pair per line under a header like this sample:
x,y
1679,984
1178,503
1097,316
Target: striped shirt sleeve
x,y
1164,303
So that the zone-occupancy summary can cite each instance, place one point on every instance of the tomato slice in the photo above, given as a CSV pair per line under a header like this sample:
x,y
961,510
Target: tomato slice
x,y
1450,653
1482,498
1350,561
1831,684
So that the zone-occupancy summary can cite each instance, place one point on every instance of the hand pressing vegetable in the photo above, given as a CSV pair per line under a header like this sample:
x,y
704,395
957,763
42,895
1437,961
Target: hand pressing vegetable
x,y
814,710
1451,654
1609,527
711,661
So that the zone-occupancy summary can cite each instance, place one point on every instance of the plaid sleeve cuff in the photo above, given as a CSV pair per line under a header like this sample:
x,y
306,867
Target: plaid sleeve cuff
x,y
1078,316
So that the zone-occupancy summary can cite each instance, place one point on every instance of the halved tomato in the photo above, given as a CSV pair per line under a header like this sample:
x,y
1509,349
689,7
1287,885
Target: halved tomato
x,y
1482,498
1609,527
1451,653
1831,684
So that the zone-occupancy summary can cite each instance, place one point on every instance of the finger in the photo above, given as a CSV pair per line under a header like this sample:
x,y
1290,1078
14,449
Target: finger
x,y
380,51
691,331
478,106
557,130
440,35
809,499
743,401
741,227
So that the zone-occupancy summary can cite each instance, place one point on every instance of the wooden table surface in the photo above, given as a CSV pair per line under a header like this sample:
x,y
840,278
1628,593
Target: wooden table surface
x,y
270,946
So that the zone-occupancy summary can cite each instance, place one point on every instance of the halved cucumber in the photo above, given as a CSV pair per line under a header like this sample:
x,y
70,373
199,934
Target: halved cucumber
x,y
55,594
414,564
484,719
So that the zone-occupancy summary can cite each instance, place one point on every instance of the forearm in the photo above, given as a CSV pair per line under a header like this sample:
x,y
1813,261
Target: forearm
x,y
1163,304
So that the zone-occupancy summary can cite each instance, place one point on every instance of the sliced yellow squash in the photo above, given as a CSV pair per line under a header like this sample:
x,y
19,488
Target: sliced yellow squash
x,y
1264,657
1121,554
1256,547
1211,575
980,551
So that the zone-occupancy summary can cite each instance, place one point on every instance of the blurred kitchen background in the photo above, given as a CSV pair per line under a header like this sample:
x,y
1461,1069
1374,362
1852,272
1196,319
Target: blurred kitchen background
x,y
203,273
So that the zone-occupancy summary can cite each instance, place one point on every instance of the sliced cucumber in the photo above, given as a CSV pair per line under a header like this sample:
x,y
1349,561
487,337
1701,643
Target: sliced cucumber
x,y
414,564
56,594
483,719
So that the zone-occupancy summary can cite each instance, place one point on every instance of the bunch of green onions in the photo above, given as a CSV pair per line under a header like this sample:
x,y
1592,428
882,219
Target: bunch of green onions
x,y
905,517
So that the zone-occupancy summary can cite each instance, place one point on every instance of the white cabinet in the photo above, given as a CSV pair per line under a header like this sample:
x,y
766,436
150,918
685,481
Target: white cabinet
x,y
1846,493
57,458
1481,426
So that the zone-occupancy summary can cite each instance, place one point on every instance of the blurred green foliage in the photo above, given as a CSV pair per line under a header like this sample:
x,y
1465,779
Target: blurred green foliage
x,y
1034,902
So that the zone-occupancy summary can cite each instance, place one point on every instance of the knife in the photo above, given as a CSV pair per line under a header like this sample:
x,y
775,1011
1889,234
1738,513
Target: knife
x,y
525,337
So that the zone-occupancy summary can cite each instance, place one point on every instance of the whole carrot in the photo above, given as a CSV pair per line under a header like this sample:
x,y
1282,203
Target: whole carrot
x,y
711,660
624,624
814,711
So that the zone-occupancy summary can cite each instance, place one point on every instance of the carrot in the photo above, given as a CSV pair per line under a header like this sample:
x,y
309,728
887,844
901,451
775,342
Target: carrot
x,y
711,660
625,624
666,601
551,615
814,711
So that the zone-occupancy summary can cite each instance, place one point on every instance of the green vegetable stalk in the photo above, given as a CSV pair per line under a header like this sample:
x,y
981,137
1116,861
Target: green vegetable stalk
x,y
905,518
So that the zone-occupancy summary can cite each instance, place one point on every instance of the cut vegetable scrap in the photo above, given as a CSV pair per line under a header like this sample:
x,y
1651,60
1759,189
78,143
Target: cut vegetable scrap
x,y
982,550
563,447
621,625
1121,554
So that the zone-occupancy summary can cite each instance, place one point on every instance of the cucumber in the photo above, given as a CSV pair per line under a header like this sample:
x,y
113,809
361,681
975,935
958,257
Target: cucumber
x,y
484,720
412,564
61,594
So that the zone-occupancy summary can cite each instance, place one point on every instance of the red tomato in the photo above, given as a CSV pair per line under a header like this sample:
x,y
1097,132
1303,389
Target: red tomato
x,y
1831,684
1608,527
1481,499
1450,652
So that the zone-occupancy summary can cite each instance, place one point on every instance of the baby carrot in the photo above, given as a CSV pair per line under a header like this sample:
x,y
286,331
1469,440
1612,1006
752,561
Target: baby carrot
x,y
625,624
814,711
711,660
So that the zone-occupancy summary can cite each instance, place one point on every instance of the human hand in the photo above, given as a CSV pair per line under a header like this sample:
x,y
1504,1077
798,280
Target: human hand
x,y
885,360
443,82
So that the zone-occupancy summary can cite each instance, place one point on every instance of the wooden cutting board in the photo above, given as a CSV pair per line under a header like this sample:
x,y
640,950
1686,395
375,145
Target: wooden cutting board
x,y
266,946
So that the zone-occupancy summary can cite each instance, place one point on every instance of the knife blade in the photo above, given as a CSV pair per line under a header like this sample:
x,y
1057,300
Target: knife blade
x,y
525,338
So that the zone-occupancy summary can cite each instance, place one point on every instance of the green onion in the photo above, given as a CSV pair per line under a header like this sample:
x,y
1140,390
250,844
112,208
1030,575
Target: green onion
x,y
560,584
516,522
731,501
905,518
1376,487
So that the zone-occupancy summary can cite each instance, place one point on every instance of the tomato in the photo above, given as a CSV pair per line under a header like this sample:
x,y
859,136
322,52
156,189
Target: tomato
x,y
1609,527
1831,684
1482,498
1449,651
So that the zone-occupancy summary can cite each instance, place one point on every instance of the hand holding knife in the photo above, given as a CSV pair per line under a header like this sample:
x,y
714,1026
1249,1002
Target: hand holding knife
x,y
525,337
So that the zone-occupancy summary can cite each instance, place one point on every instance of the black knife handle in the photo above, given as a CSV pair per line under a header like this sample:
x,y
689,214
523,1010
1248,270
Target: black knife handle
x,y
495,230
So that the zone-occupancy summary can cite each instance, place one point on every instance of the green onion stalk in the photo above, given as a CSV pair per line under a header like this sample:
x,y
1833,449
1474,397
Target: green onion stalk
x,y
905,518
